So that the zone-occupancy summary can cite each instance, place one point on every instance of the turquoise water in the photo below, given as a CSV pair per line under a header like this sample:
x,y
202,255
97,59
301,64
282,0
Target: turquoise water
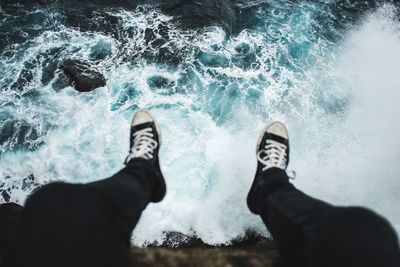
x,y
330,74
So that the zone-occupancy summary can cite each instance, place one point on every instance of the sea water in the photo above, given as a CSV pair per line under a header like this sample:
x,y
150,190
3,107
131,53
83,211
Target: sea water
x,y
332,80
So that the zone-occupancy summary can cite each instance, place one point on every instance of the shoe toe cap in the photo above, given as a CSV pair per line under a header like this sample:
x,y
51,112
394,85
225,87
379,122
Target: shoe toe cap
x,y
278,128
142,116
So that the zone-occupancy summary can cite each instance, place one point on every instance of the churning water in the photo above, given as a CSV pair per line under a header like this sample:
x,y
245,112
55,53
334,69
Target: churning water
x,y
329,71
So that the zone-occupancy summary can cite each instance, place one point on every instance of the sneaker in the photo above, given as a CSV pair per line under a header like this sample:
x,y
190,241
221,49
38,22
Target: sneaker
x,y
273,147
145,142
272,152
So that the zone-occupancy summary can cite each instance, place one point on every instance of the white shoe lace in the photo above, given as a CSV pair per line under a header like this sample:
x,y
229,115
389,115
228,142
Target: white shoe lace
x,y
273,155
143,144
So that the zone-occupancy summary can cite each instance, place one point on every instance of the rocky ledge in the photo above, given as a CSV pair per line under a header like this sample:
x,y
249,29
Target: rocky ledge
x,y
258,253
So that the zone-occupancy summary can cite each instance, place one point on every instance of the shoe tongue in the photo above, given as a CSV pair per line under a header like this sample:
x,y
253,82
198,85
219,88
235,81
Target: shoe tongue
x,y
144,126
277,138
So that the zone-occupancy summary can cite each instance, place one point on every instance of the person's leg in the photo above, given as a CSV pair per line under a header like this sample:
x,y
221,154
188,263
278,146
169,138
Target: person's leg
x,y
354,236
289,215
310,232
10,214
90,225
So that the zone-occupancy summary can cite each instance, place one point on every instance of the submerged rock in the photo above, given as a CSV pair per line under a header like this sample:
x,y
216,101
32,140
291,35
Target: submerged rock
x,y
81,77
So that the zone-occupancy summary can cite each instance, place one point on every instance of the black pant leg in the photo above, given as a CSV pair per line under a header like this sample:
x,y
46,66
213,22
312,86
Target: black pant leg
x,y
354,237
128,192
289,214
310,232
83,225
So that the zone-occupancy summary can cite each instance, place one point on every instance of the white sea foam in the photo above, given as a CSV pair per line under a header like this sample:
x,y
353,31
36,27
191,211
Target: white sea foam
x,y
359,164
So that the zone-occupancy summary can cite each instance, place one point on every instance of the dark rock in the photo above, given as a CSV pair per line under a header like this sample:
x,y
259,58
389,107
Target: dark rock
x,y
179,240
259,252
81,77
9,217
